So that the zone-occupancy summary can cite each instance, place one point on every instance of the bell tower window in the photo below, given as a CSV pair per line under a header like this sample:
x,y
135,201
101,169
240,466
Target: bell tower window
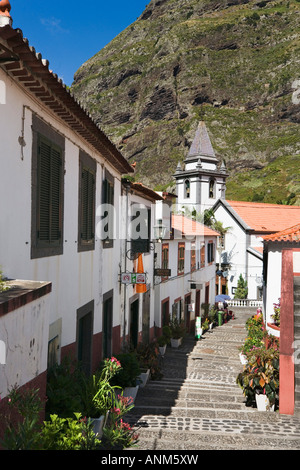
x,y
212,189
187,191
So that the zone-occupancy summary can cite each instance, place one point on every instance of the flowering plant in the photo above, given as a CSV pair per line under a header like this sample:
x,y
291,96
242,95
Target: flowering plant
x,y
276,315
261,374
105,397
117,433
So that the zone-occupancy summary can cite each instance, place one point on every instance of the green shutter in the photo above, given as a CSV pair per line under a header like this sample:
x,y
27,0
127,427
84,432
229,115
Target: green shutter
x,y
87,205
49,215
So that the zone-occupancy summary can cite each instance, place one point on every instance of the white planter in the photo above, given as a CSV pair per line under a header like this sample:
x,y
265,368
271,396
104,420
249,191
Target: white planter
x,y
263,404
176,342
143,378
243,359
98,425
131,392
162,349
211,326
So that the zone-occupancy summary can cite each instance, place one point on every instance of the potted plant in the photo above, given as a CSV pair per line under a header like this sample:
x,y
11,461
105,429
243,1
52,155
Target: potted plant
x,y
212,316
147,355
274,327
126,376
162,344
177,332
100,394
260,377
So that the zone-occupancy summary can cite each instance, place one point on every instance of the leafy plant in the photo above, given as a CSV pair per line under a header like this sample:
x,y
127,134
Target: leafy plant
x,y
276,315
127,375
177,328
22,424
3,286
104,397
147,355
242,289
65,388
69,434
118,434
261,374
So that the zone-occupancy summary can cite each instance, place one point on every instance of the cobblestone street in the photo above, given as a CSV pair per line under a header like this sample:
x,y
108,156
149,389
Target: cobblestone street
x,y
198,405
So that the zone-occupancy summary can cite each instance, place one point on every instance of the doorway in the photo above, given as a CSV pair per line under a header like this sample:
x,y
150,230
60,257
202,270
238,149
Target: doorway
x,y
85,318
107,324
134,323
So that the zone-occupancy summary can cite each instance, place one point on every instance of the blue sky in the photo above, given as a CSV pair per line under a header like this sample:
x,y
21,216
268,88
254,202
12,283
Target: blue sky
x,y
71,33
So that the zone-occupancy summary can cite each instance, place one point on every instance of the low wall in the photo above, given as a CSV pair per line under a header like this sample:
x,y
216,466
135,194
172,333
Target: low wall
x,y
24,333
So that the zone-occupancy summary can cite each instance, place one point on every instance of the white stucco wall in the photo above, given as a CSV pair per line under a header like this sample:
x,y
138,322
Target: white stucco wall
x,y
24,332
77,278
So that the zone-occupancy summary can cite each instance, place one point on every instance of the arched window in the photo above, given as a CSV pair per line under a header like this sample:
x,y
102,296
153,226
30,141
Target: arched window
x,y
187,189
212,188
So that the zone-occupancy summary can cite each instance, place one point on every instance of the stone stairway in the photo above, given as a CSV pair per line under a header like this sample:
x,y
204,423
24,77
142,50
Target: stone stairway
x,y
198,406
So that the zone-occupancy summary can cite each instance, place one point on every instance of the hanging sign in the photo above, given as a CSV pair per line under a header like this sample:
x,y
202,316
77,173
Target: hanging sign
x,y
133,278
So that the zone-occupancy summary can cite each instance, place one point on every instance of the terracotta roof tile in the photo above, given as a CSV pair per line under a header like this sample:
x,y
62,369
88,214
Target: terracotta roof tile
x,y
262,217
189,227
291,234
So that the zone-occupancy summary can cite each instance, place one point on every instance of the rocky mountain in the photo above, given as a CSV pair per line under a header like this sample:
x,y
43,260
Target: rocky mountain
x,y
233,63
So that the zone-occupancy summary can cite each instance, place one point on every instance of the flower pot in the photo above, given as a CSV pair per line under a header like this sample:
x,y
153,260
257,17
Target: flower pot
x,y
143,378
176,342
131,392
273,329
211,325
162,350
98,425
262,403
243,359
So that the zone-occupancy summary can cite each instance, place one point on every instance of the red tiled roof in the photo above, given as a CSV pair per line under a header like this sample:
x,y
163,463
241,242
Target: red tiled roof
x,y
262,217
291,234
189,227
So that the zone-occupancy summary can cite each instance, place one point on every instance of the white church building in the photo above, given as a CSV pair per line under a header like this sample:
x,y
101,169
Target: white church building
x,y
201,185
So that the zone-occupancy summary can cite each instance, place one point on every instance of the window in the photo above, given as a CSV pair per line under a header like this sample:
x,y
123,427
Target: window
x,y
140,229
165,258
181,249
193,256
210,252
87,195
212,188
202,256
187,188
108,199
47,191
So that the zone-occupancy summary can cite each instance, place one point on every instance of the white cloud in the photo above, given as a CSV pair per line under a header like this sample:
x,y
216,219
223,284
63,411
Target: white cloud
x,y
53,25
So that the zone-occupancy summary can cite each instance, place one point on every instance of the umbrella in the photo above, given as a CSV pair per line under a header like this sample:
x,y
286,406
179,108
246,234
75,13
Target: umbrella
x,y
221,298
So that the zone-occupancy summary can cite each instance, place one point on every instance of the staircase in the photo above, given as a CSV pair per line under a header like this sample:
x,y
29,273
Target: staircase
x,y
297,343
198,406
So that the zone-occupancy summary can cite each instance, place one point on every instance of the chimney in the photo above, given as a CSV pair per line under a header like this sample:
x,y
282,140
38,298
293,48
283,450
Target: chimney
x,y
5,18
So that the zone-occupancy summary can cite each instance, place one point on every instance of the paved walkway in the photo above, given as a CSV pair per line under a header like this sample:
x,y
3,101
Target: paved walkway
x,y
198,405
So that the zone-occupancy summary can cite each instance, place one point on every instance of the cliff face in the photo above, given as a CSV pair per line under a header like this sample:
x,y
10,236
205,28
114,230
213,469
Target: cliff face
x,y
233,63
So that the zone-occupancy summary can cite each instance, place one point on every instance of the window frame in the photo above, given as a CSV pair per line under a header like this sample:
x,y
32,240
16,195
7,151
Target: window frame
x,y
42,133
193,256
108,197
165,259
180,258
87,166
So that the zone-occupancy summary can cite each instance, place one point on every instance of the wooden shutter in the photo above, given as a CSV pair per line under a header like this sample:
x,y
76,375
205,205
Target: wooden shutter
x,y
87,205
49,215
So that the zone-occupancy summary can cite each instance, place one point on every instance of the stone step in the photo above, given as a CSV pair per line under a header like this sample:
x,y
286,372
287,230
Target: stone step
x,y
215,436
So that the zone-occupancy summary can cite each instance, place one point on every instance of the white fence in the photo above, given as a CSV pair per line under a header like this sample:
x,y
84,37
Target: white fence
x,y
244,303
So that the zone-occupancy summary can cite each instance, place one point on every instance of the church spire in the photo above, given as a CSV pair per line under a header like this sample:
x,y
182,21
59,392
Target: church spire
x,y
201,145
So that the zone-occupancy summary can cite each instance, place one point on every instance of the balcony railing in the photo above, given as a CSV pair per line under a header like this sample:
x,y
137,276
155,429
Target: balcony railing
x,y
244,303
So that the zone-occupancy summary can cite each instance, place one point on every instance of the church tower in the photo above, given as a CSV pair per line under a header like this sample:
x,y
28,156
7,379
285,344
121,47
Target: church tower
x,y
201,182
